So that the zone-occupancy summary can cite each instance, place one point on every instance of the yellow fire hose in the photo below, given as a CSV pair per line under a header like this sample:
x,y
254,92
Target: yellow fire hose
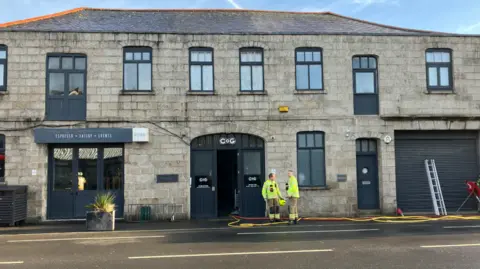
x,y
385,219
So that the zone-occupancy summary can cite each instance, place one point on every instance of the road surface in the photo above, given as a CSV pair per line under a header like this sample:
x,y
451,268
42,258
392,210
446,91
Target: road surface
x,y
439,245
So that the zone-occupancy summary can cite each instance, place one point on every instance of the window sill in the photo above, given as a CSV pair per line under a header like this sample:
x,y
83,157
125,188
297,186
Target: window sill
x,y
193,93
440,91
3,92
252,93
124,92
297,92
325,188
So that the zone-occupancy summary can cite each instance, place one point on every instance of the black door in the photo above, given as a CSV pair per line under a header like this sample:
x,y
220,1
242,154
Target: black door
x,y
367,175
203,184
252,176
61,183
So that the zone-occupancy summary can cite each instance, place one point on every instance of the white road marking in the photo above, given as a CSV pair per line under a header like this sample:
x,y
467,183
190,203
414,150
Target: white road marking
x,y
187,230
231,254
452,246
14,262
460,227
304,232
83,238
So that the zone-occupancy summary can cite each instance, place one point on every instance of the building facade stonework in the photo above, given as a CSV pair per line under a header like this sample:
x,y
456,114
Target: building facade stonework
x,y
175,116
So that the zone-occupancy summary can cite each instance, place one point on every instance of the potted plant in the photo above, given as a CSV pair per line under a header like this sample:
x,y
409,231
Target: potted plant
x,y
101,216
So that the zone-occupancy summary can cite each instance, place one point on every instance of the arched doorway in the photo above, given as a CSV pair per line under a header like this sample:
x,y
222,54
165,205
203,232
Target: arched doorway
x,y
227,172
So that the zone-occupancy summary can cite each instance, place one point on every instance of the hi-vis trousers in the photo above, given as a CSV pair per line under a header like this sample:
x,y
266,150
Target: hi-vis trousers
x,y
293,208
273,209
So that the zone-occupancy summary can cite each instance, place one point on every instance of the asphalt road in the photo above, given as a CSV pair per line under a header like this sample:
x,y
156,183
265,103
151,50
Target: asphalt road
x,y
440,245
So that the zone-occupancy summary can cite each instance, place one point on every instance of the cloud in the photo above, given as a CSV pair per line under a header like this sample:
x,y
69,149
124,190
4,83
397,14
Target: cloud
x,y
469,29
330,7
363,4
234,4
371,2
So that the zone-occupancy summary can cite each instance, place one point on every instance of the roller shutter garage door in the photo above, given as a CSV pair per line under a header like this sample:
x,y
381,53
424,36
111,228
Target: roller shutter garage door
x,y
455,155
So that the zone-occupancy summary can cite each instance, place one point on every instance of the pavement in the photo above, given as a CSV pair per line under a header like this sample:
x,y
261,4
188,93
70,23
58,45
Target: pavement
x,y
439,244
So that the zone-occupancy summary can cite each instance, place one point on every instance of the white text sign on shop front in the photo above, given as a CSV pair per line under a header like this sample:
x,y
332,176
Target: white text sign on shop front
x,y
140,135
227,141
90,135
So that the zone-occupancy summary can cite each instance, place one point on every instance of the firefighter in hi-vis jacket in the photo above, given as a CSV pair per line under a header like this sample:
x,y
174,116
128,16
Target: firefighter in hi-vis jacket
x,y
271,194
292,194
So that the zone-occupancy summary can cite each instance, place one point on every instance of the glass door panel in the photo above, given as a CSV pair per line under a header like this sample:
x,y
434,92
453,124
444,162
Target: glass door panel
x,y
113,176
61,183
86,180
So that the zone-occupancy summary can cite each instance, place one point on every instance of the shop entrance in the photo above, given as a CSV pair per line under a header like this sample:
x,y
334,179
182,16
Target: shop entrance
x,y
77,173
227,181
227,173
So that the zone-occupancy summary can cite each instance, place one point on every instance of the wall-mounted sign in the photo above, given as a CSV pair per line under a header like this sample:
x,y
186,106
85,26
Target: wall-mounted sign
x,y
203,182
227,140
341,178
90,135
283,109
252,181
387,139
167,178
140,135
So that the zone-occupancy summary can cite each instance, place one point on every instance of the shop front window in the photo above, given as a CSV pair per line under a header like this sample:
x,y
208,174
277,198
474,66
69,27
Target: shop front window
x,y
63,169
113,169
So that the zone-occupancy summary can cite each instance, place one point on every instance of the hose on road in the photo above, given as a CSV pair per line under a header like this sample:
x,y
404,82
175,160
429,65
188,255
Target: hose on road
x,y
385,219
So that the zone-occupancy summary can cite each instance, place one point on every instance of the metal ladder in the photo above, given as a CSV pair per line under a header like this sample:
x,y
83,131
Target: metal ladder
x,y
435,188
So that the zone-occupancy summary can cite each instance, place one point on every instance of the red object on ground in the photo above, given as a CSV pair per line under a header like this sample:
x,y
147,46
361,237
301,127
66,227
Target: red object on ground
x,y
473,187
399,212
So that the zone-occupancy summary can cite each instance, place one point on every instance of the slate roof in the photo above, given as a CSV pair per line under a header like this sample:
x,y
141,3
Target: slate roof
x,y
204,21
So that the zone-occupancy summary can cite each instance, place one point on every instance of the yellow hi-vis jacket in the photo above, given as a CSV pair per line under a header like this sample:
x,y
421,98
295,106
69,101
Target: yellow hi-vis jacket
x,y
270,190
293,187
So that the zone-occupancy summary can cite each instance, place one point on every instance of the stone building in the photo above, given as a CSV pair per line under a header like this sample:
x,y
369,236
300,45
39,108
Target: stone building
x,y
194,108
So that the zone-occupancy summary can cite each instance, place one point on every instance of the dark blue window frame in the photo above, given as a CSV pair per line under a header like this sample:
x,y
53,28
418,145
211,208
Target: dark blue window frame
x,y
318,144
71,105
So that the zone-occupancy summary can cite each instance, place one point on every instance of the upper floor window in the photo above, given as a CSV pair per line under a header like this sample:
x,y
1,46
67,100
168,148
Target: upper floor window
x,y
2,158
439,69
251,69
201,69
364,70
311,159
137,69
309,69
66,87
3,67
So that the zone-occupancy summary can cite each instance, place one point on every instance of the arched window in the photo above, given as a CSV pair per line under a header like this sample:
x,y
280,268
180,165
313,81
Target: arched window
x,y
365,85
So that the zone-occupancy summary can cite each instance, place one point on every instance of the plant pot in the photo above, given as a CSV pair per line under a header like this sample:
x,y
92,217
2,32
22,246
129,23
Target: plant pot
x,y
100,221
